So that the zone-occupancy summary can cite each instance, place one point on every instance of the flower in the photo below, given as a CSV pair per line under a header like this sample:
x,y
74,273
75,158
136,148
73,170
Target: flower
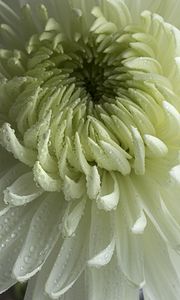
x,y
89,158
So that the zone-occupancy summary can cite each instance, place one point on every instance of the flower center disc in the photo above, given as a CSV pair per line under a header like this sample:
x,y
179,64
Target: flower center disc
x,y
88,105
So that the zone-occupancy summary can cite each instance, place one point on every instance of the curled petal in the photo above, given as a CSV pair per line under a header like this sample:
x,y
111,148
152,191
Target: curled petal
x,y
22,191
9,140
45,180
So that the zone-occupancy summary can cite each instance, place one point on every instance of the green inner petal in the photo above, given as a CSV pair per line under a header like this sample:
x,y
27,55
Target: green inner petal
x,y
77,104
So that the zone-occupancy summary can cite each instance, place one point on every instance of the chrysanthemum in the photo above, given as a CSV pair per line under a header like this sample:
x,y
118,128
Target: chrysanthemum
x,y
90,136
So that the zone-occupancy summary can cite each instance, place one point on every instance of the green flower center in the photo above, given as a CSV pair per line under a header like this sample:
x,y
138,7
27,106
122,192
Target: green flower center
x,y
91,77
86,106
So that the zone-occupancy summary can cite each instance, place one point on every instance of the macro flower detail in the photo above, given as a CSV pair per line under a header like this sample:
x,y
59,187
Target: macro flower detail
x,y
89,157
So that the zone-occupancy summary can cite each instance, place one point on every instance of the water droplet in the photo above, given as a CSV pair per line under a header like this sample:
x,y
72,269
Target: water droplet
x,y
27,259
32,249
6,228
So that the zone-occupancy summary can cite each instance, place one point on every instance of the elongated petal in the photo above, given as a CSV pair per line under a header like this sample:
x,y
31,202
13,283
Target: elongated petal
x,y
72,217
155,146
78,291
8,178
104,257
158,212
109,283
43,234
108,199
158,255
129,249
139,151
70,262
36,285
6,160
45,180
22,191
73,189
101,246
9,140
14,226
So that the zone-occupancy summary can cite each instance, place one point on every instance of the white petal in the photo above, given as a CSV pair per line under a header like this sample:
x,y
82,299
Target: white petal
x,y
9,140
101,243
109,283
117,12
129,249
85,8
44,157
70,261
109,157
78,291
131,205
158,265
22,191
6,264
92,174
110,193
156,147
168,9
41,238
146,64
11,175
140,224
8,178
139,152
80,155
6,160
93,182
30,289
116,158
154,205
73,189
45,180
175,174
172,122
141,5
72,217
104,257
7,14
36,286
175,259
3,208
14,225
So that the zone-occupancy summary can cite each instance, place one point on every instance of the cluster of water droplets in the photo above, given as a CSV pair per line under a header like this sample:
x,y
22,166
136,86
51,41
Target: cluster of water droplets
x,y
91,112
88,106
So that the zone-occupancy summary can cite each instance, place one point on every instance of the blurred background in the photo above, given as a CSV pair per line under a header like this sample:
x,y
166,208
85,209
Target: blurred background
x,y
15,293
7,296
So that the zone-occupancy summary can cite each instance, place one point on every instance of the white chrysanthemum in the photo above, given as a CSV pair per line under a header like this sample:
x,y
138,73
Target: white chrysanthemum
x,y
90,136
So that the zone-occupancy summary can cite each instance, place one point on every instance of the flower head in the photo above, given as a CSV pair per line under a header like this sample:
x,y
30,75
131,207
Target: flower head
x,y
90,136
